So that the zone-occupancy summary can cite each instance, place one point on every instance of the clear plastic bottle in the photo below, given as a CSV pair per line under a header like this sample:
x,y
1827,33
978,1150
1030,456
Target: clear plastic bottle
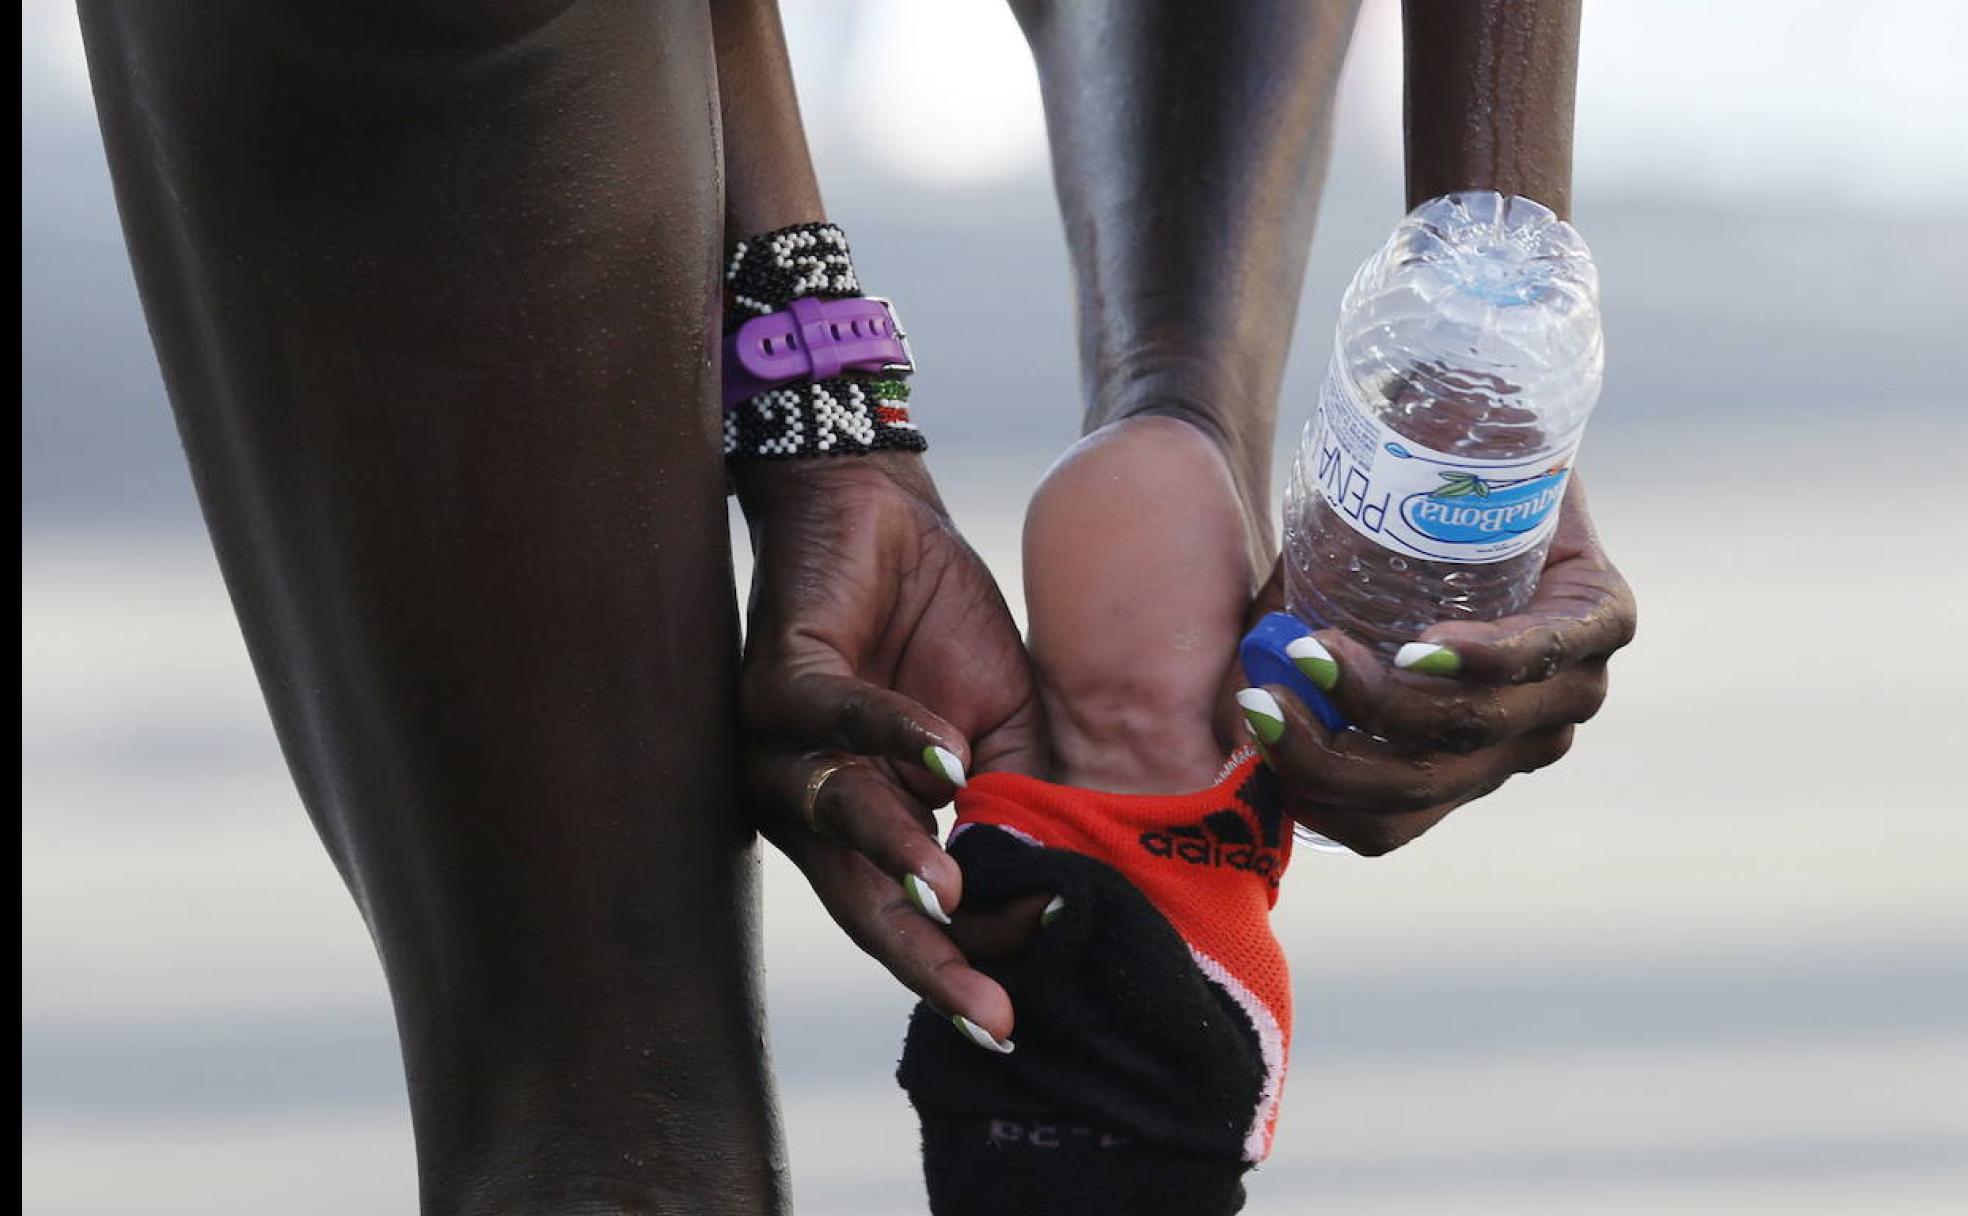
x,y
1467,359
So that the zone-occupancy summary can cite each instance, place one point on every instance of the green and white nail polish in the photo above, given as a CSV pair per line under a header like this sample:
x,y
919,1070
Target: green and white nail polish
x,y
980,1036
1428,658
923,896
1262,715
1053,908
944,763
1315,661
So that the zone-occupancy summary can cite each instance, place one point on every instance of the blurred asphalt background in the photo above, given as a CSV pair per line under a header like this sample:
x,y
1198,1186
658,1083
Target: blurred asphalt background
x,y
1715,962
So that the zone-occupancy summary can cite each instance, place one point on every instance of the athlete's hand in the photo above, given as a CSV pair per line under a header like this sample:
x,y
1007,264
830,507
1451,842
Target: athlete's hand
x,y
878,642
1478,703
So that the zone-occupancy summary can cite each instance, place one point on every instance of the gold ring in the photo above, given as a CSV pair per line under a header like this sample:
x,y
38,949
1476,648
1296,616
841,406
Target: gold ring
x,y
809,804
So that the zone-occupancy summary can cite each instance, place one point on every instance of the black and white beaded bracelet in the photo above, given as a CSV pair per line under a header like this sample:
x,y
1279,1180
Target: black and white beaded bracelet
x,y
838,417
768,272
850,414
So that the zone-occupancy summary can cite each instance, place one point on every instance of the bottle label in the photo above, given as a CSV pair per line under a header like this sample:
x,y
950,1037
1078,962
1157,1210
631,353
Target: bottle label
x,y
1429,504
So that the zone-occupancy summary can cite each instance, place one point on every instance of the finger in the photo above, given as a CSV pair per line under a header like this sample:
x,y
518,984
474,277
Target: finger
x,y
1582,611
1577,616
882,922
1370,834
1351,770
853,803
1018,743
1421,714
1377,833
819,709
1004,930
1544,748
1366,833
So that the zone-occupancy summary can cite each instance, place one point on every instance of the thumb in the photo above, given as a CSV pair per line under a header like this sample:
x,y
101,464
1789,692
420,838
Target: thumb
x,y
1018,744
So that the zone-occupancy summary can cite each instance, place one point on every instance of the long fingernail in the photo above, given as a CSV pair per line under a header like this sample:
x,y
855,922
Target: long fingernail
x,y
1315,661
1262,715
944,763
1053,908
980,1036
1428,658
923,896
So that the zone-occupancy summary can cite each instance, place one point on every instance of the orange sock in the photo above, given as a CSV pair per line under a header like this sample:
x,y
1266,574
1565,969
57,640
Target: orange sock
x,y
1154,1007
1210,862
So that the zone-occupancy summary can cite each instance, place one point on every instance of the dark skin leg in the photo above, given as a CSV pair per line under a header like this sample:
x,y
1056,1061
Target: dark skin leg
x,y
434,292
1189,144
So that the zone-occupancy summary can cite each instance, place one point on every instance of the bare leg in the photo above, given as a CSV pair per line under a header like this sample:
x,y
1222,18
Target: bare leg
x,y
1189,144
433,289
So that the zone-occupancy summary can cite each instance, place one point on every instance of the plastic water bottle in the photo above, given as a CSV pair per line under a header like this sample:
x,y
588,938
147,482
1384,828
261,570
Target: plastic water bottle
x,y
1467,359
1427,486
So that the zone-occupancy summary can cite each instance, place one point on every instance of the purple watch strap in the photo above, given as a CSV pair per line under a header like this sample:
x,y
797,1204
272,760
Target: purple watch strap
x,y
813,339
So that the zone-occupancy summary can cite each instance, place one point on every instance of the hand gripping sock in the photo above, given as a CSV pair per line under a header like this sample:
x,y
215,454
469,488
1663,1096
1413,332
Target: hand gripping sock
x,y
1154,1011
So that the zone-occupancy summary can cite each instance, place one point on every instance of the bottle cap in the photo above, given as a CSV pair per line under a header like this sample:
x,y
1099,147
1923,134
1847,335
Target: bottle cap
x,y
1262,653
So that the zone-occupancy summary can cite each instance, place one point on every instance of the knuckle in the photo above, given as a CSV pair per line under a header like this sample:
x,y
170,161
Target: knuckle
x,y
896,913
834,811
851,716
1549,651
1464,725
1416,793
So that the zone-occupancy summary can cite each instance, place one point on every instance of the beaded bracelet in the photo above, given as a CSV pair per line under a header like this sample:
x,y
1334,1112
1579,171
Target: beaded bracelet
x,y
768,272
837,417
846,415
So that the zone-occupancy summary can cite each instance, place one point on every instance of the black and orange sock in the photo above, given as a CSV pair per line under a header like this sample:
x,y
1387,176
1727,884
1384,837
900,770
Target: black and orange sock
x,y
1154,1011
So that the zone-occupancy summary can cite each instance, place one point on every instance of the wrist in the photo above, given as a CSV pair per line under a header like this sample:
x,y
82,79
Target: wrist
x,y
1524,82
770,488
